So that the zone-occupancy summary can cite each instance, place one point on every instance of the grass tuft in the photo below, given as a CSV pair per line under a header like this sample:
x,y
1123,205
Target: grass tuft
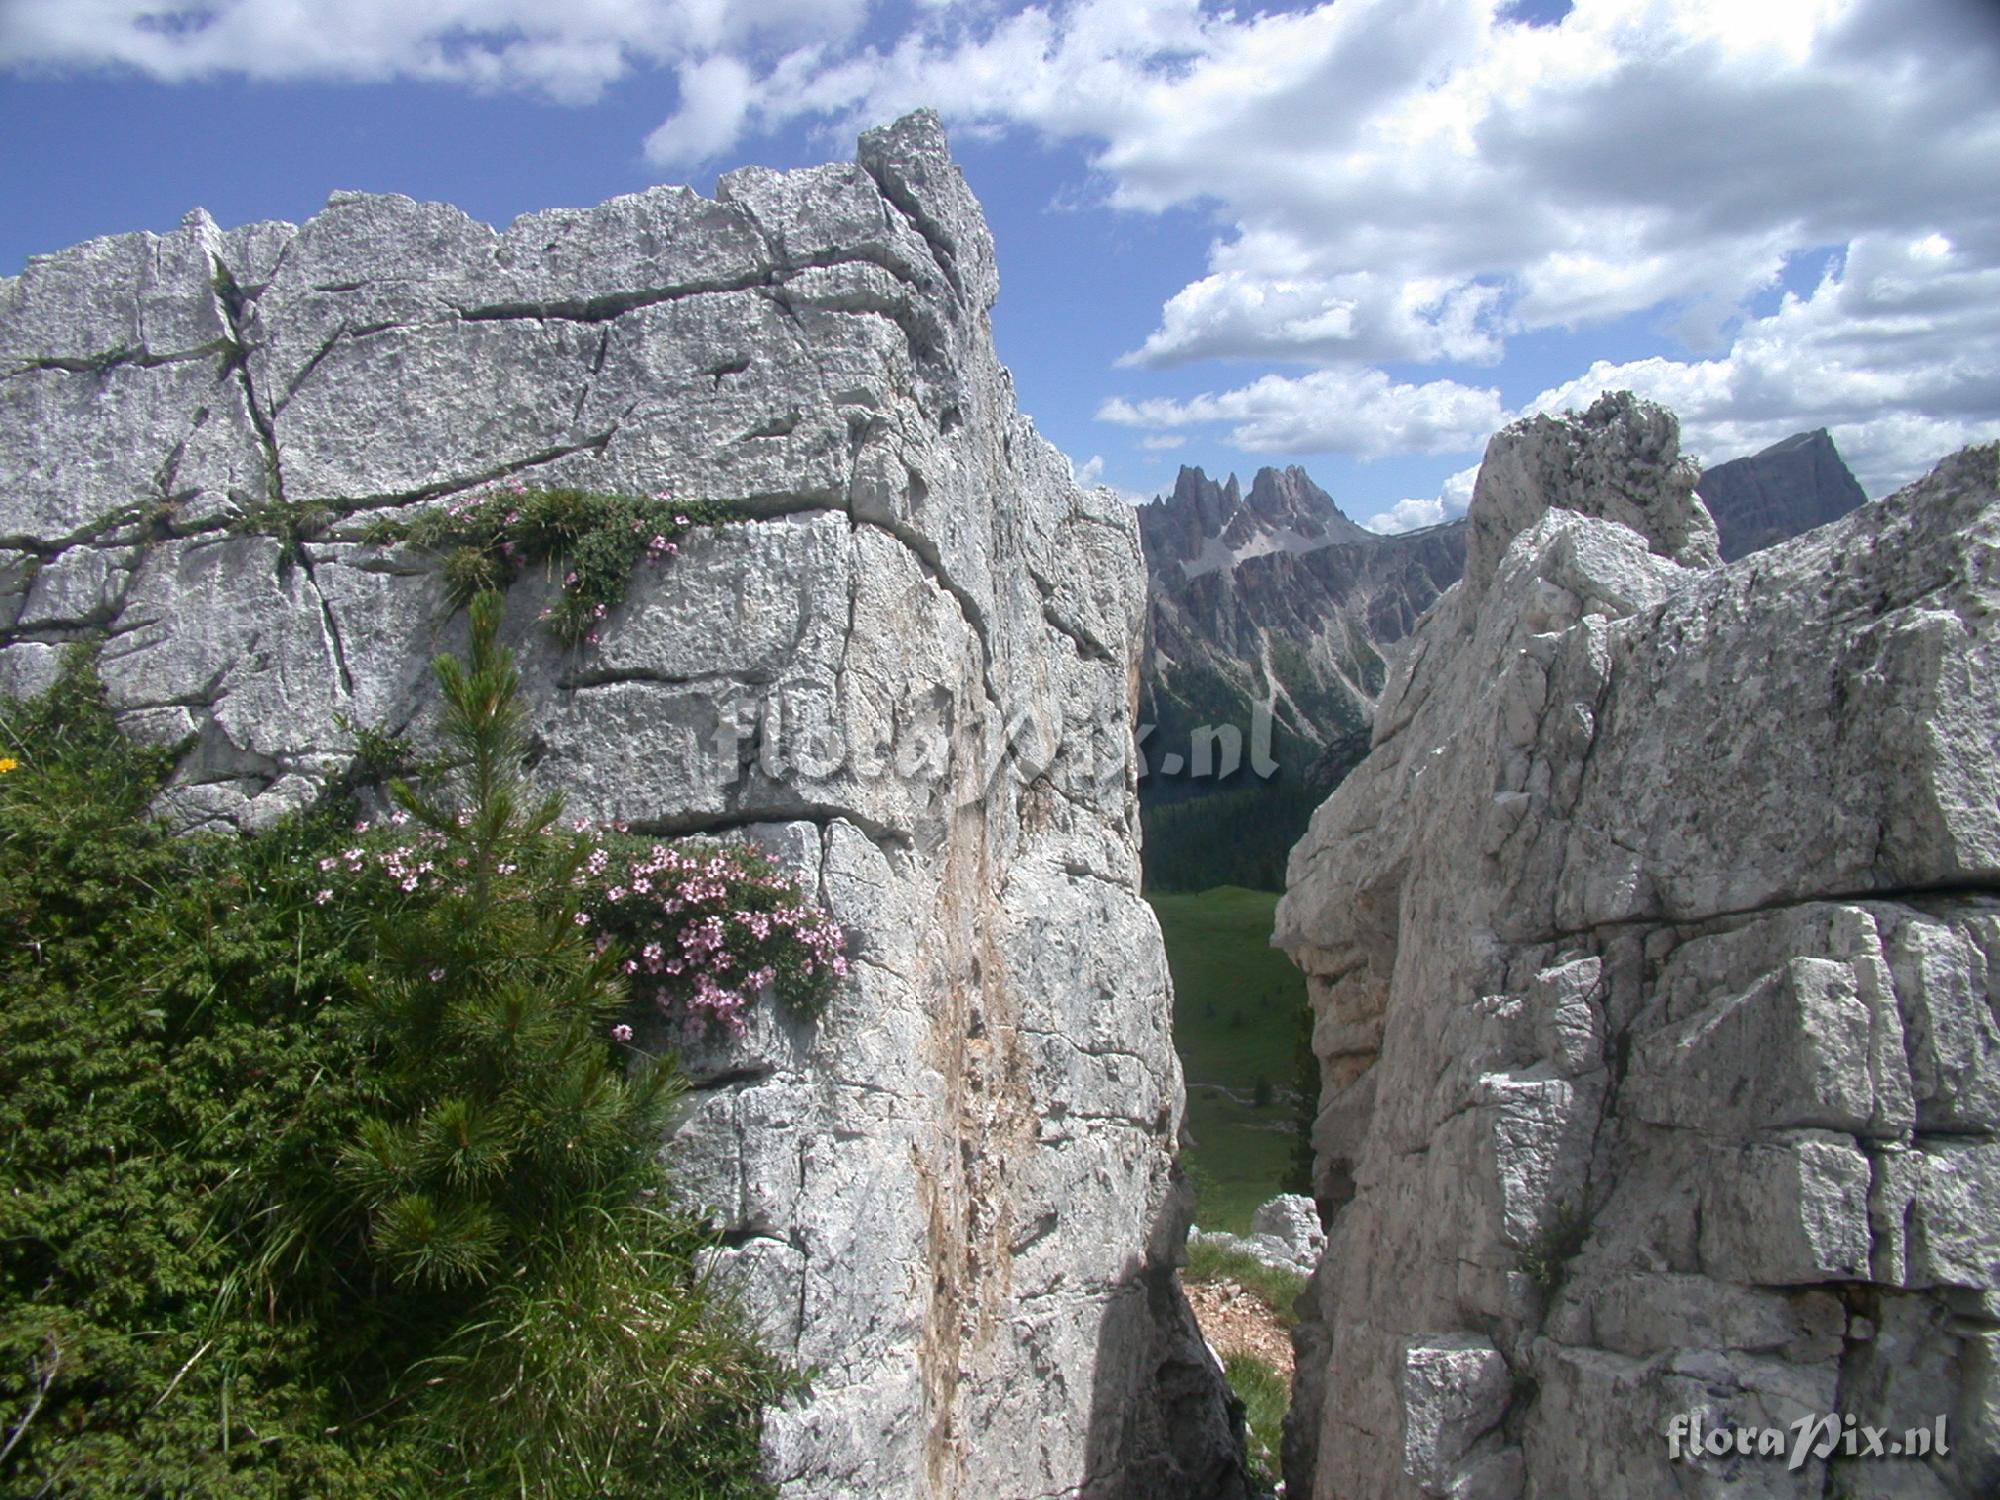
x,y
1546,1260
1276,1288
1265,1394
591,540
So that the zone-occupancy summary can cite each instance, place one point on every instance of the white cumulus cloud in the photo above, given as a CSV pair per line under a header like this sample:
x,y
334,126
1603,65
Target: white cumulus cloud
x,y
1405,182
715,102
1406,515
1896,352
1361,412
1423,181
568,51
1450,502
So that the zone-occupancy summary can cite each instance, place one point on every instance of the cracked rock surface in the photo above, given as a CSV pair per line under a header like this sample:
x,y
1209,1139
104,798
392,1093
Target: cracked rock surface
x,y
1655,960
910,675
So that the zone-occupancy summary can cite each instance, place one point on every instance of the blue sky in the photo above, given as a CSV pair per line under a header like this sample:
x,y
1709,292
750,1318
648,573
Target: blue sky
x,y
1355,236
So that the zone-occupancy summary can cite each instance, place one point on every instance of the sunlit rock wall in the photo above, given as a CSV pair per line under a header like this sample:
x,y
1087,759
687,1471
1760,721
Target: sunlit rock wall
x,y
1655,957
953,1198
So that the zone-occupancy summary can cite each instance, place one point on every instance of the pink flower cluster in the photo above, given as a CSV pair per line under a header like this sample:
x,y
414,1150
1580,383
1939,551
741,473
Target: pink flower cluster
x,y
706,930
710,930
477,500
411,864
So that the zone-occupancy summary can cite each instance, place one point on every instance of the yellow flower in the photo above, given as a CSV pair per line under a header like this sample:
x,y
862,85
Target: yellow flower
x,y
8,763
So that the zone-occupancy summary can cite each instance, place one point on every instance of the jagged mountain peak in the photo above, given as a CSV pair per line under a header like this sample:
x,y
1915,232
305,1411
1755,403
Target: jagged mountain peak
x,y
1204,525
1288,496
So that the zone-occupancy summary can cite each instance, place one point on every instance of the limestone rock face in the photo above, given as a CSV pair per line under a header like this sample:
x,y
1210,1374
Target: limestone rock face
x,y
1790,487
1655,957
1285,1234
911,676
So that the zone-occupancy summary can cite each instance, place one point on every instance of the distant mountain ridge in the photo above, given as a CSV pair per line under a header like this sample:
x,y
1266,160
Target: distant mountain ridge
x,y
1205,526
1275,600
1789,488
1271,602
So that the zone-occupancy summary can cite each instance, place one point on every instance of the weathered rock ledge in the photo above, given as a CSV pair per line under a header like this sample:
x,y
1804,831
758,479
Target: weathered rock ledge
x,y
955,1197
1655,955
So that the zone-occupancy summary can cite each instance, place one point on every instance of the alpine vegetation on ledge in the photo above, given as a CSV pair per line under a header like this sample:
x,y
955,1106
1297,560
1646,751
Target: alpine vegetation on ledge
x,y
951,1195
484,540
341,1190
1653,953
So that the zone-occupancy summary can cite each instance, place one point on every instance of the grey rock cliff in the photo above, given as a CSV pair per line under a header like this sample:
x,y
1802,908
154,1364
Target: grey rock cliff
x,y
1653,954
912,676
1787,488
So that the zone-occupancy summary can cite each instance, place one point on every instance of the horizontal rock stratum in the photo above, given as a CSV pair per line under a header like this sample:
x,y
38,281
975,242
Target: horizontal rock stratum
x,y
911,675
1655,956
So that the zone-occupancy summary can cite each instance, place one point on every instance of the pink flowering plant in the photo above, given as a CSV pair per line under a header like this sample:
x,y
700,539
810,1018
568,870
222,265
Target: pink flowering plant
x,y
695,930
590,540
706,928
698,930
505,1175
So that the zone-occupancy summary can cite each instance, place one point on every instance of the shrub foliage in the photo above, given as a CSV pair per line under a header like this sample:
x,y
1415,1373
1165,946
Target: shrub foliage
x,y
320,1179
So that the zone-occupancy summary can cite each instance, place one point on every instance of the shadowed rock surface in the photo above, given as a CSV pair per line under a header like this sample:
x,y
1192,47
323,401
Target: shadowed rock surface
x,y
1787,489
954,1198
1655,959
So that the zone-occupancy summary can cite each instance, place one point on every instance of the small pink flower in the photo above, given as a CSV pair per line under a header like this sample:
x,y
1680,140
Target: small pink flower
x,y
680,520
583,919
621,1033
322,898
437,975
